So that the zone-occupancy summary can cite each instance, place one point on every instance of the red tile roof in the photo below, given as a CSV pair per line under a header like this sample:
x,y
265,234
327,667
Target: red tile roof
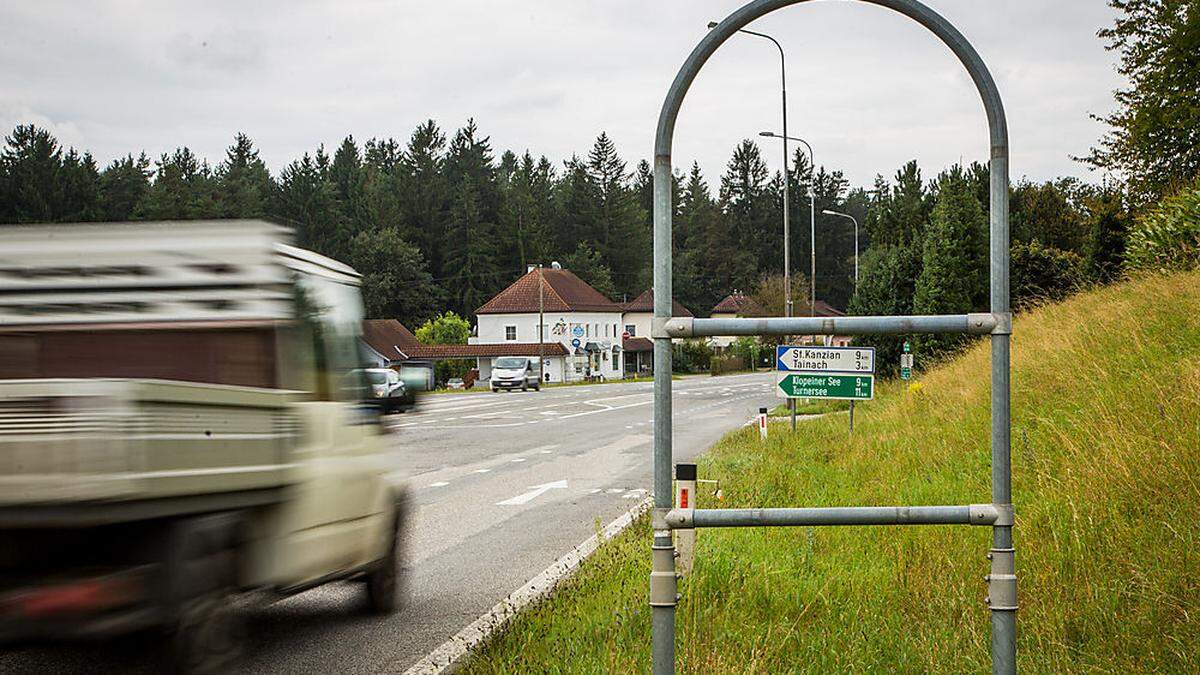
x,y
562,291
489,350
638,344
823,309
389,338
645,303
738,303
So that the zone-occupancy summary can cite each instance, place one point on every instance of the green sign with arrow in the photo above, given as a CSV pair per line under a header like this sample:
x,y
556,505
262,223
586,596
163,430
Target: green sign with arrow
x,y
809,385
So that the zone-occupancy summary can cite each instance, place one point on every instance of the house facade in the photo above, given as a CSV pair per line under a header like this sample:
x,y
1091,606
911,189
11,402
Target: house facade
x,y
581,329
636,342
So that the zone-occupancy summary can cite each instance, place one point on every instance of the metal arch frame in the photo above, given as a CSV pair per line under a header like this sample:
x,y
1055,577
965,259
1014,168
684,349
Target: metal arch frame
x,y
1002,580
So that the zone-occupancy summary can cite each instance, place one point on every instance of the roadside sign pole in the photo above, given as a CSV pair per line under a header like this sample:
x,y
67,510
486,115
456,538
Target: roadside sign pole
x,y
851,416
1002,582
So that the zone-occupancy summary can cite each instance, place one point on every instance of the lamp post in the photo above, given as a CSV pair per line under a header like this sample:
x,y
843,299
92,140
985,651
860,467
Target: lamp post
x,y
847,215
787,247
812,222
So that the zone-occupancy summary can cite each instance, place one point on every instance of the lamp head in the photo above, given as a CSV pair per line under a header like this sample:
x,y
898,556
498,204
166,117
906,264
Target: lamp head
x,y
712,24
831,213
768,134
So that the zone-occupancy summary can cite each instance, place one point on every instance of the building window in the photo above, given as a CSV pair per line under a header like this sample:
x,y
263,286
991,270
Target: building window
x,y
616,360
631,329
510,332
614,330
587,330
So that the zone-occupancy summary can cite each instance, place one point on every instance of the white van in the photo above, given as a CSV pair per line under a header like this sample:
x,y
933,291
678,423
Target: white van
x,y
513,372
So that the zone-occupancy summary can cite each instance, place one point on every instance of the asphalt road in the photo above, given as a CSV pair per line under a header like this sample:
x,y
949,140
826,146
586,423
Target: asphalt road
x,y
505,484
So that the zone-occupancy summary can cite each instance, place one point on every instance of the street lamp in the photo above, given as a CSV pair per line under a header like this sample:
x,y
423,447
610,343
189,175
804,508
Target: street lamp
x,y
847,215
812,212
787,247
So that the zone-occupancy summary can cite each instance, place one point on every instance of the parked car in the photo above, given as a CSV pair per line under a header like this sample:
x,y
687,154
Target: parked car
x,y
513,372
387,389
455,383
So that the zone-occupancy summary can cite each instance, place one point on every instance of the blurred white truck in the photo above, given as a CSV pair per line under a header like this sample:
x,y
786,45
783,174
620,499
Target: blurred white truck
x,y
182,430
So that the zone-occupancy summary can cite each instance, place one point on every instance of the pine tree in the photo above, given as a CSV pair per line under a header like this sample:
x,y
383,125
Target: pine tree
x,y
426,193
183,189
954,263
78,188
576,198
622,229
385,177
123,184
348,177
244,186
470,251
745,206
700,243
306,201
30,164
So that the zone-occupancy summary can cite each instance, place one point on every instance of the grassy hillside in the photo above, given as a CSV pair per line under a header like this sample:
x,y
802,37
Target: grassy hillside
x,y
1106,452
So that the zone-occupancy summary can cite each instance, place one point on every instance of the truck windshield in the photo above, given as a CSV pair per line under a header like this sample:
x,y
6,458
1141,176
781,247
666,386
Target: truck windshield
x,y
376,377
511,362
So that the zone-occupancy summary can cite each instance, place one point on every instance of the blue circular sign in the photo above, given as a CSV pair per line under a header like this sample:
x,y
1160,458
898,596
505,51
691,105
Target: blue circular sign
x,y
575,343
577,331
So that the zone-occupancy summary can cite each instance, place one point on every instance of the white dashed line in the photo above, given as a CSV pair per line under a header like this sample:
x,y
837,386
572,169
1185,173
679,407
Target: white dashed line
x,y
483,470
519,459
440,483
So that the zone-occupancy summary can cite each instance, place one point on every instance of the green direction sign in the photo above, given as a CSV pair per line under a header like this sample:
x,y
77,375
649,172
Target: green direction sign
x,y
905,372
813,385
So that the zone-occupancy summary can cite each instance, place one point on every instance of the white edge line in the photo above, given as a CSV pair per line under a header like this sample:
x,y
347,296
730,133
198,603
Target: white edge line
x,y
442,659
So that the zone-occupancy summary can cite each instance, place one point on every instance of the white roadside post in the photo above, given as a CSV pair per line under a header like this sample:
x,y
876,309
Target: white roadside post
x,y
685,498
762,423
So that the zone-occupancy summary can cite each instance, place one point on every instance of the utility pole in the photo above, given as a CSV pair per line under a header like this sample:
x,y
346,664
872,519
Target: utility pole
x,y
541,328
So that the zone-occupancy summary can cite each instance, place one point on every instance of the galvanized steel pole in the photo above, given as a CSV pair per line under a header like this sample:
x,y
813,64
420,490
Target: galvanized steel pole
x,y
1002,580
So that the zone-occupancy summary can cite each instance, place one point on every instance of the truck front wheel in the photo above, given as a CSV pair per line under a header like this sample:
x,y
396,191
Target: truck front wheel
x,y
385,583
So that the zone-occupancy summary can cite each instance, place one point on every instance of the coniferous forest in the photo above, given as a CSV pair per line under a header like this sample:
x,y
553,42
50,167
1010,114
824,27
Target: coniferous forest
x,y
442,221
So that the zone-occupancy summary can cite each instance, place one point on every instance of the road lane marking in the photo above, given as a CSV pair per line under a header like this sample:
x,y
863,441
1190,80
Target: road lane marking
x,y
440,483
518,459
450,652
534,493
482,470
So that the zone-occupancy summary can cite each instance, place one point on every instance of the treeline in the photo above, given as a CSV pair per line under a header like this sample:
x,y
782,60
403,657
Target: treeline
x,y
440,223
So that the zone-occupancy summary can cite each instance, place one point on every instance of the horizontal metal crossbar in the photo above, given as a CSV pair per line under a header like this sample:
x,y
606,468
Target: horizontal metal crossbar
x,y
977,324
973,514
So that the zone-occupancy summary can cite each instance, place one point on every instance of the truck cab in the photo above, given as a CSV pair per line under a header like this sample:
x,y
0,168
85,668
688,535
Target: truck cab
x,y
183,422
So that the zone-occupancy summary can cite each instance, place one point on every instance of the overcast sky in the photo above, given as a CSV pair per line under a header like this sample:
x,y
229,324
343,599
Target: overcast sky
x,y
867,87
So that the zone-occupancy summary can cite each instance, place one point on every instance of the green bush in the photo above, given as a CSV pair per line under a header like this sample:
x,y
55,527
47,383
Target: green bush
x,y
1043,273
1168,237
691,356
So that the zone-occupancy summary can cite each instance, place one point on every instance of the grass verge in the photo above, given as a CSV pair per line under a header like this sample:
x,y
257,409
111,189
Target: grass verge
x,y
1106,452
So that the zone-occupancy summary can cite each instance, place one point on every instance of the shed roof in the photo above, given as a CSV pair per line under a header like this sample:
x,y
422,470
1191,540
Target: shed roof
x,y
645,303
389,338
738,302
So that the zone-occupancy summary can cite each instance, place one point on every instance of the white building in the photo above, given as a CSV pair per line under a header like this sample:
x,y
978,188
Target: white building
x,y
581,329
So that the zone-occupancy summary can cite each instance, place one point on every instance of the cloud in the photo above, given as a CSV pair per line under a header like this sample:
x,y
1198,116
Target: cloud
x,y
867,87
